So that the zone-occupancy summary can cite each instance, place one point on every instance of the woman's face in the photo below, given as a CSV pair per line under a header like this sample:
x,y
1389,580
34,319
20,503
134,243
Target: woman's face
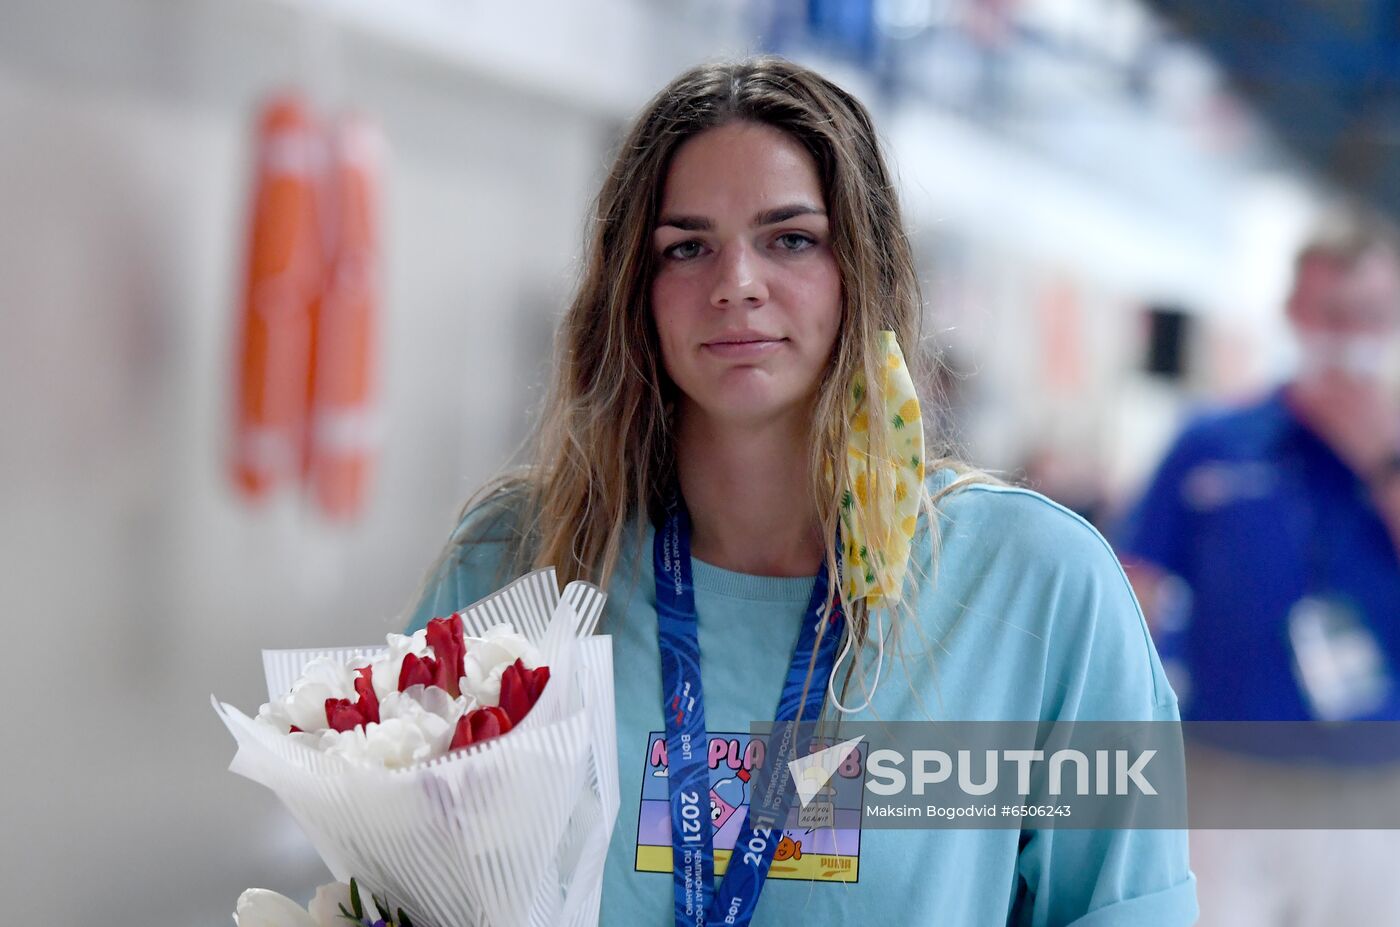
x,y
747,294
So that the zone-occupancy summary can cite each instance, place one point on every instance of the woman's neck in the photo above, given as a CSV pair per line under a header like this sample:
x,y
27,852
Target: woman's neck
x,y
748,491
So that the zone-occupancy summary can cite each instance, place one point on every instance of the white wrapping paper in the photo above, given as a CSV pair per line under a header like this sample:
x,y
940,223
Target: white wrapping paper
x,y
509,832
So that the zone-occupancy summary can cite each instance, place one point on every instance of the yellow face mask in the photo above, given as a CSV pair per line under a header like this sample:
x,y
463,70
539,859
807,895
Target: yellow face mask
x,y
880,506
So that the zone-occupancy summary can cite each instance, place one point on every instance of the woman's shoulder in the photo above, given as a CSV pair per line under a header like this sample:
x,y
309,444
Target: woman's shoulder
x,y
497,514
1017,524
478,556
1051,573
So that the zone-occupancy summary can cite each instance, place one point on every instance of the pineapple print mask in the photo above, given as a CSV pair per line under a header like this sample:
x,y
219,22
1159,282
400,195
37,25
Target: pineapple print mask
x,y
880,506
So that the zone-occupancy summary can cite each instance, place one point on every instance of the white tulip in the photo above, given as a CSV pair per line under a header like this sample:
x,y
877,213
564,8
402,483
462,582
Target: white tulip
x,y
414,725
489,656
305,705
388,667
258,907
325,907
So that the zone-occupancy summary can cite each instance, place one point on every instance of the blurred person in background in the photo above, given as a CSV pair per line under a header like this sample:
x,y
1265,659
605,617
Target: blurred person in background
x,y
1281,523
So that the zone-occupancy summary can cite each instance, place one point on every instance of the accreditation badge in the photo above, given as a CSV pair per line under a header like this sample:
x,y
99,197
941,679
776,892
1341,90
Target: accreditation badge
x,y
1340,667
824,847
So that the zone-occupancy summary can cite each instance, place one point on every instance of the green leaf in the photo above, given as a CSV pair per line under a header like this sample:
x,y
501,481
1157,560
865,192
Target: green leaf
x,y
846,499
898,423
914,461
403,920
355,902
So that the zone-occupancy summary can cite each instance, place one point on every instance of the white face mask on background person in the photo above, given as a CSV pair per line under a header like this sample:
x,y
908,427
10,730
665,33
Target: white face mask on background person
x,y
1366,356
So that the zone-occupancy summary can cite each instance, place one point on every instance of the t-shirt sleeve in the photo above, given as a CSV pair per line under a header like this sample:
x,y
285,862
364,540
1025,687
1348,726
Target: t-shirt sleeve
x,y
1106,878
476,553
1157,527
1102,667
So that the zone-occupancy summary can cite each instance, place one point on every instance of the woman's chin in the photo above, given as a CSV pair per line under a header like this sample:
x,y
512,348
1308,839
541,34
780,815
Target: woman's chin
x,y
753,410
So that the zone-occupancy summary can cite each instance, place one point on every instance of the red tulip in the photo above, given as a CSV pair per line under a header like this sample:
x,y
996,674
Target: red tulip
x,y
342,715
368,704
480,724
521,688
538,678
446,637
416,671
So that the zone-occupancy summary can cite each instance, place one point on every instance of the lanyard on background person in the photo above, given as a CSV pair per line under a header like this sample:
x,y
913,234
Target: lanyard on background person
x,y
687,742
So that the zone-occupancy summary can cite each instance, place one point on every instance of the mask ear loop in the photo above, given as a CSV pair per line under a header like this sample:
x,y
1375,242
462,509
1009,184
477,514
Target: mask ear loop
x,y
879,663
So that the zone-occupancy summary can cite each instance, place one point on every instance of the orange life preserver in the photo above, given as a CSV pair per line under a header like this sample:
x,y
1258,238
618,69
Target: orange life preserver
x,y
282,288
342,440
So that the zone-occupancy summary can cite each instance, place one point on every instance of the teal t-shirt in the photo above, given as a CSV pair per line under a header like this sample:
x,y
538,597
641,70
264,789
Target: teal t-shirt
x,y
1029,617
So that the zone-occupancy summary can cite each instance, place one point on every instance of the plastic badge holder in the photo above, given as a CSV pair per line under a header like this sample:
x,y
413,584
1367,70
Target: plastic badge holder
x,y
1339,665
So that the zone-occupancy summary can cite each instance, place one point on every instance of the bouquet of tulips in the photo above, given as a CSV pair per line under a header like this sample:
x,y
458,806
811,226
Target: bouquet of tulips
x,y
463,775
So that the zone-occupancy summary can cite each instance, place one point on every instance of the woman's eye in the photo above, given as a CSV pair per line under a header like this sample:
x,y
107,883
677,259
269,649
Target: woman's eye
x,y
675,251
796,241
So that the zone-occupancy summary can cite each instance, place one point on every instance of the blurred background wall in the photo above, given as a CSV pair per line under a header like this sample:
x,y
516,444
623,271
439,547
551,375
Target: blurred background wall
x,y
1079,179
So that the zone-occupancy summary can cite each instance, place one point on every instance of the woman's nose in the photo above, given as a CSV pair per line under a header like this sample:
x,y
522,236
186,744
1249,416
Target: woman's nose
x,y
739,280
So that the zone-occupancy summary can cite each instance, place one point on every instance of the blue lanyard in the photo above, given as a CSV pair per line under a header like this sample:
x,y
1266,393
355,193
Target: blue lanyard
x,y
687,744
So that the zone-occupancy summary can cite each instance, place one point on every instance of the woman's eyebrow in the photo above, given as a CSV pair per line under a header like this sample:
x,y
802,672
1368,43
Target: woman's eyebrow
x,y
766,217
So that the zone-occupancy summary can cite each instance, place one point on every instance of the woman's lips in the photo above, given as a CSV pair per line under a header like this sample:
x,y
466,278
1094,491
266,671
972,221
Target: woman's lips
x,y
743,349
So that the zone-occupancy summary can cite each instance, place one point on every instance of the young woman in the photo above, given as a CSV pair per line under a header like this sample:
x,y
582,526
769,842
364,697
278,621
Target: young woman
x,y
710,454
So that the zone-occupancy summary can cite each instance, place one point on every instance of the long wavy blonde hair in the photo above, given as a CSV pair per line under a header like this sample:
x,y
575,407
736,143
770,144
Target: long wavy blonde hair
x,y
602,456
